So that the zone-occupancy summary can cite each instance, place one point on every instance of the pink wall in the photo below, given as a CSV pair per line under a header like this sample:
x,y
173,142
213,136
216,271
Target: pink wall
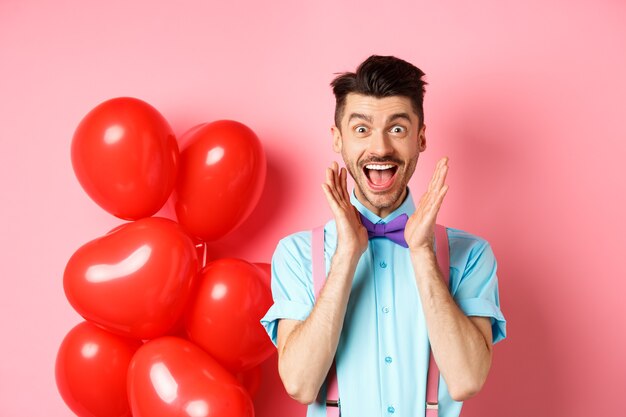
x,y
527,98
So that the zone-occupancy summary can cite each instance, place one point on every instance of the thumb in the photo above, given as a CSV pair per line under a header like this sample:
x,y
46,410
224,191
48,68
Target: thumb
x,y
334,206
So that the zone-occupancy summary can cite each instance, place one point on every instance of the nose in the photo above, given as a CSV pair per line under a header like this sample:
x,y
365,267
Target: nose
x,y
380,144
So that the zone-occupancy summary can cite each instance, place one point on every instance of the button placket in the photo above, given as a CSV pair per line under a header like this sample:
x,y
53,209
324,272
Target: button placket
x,y
384,287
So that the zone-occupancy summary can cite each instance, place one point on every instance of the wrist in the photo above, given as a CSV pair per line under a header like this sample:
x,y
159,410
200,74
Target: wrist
x,y
347,255
421,253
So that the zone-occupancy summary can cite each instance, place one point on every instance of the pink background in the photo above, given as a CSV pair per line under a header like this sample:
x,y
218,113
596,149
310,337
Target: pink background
x,y
527,98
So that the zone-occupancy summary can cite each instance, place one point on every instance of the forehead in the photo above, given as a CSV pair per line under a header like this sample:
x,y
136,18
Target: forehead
x,y
378,109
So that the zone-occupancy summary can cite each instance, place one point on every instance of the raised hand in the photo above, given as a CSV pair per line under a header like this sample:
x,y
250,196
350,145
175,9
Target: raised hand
x,y
420,228
351,234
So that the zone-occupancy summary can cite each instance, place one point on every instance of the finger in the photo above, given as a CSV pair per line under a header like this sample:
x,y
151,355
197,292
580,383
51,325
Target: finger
x,y
332,177
442,178
436,198
443,192
337,179
344,181
426,206
433,179
342,187
330,198
440,172
429,204
329,176
332,184
436,205
443,168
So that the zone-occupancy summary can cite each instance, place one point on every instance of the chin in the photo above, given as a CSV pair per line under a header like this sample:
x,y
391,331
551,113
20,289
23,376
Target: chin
x,y
388,200
383,200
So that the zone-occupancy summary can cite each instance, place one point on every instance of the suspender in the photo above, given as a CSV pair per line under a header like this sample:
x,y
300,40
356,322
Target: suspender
x,y
319,277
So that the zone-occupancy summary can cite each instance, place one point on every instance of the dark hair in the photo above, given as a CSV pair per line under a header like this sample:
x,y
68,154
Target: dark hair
x,y
381,76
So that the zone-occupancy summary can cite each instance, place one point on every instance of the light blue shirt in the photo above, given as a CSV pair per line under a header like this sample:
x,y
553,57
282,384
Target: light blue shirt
x,y
383,351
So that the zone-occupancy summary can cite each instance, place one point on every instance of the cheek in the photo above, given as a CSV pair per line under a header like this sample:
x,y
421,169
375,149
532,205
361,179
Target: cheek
x,y
348,159
409,150
410,168
351,151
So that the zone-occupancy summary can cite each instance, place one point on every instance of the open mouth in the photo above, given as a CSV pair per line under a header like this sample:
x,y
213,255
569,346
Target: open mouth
x,y
380,176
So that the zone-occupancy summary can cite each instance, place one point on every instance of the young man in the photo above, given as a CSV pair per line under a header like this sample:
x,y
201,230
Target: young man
x,y
384,304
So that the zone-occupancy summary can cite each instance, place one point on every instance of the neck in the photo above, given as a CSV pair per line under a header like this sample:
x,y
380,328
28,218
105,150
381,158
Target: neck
x,y
384,211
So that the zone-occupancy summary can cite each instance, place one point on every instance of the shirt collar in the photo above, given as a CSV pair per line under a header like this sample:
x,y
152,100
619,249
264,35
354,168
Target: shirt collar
x,y
407,207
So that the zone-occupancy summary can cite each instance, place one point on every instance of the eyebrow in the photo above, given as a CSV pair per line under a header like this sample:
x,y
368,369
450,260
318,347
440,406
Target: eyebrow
x,y
360,116
369,119
399,116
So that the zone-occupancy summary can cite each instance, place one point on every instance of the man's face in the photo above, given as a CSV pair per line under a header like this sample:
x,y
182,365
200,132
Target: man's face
x,y
380,141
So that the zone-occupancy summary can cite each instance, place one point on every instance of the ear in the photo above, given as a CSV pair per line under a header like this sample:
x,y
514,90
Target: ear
x,y
421,139
337,141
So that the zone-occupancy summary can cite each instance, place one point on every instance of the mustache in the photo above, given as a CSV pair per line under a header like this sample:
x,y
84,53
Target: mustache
x,y
381,160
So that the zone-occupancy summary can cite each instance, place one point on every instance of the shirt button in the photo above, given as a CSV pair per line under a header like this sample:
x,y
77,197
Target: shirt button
x,y
385,309
391,410
383,264
388,359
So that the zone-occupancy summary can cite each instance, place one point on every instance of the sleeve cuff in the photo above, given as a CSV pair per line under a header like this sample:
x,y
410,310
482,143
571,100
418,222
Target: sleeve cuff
x,y
283,309
485,308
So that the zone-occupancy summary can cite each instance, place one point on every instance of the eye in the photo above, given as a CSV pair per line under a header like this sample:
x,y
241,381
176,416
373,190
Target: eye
x,y
398,129
360,129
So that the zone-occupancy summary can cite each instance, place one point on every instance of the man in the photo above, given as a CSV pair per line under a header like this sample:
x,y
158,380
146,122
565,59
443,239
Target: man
x,y
383,305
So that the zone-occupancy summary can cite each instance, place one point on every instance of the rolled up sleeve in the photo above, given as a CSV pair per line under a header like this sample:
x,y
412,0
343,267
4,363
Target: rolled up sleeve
x,y
477,292
292,283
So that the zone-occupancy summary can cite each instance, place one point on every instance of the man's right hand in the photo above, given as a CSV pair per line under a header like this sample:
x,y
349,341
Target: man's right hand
x,y
306,348
352,239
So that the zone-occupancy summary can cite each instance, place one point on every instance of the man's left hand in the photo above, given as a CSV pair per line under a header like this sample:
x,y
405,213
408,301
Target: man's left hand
x,y
420,228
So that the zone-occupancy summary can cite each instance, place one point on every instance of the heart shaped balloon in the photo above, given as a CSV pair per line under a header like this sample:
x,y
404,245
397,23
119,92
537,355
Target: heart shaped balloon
x,y
267,272
125,156
224,314
251,380
220,179
91,369
169,376
136,279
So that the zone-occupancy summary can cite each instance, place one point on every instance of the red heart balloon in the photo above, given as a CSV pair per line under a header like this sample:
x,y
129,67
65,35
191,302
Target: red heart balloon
x,y
251,380
125,156
91,369
267,272
223,315
173,377
135,280
221,177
